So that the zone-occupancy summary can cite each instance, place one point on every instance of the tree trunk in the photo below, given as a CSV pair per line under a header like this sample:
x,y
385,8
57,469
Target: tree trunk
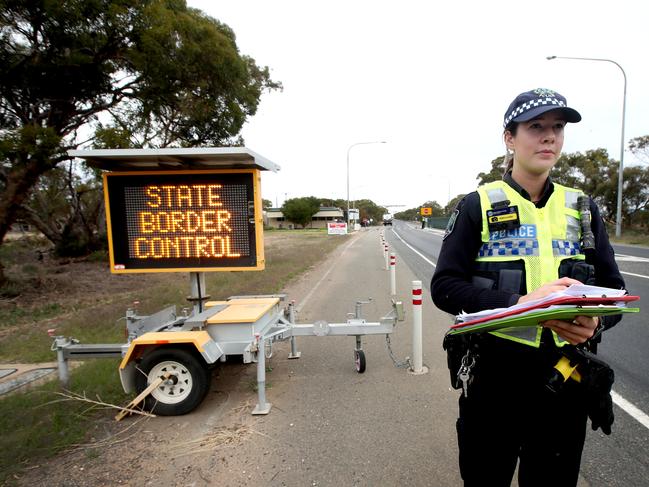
x,y
19,182
3,278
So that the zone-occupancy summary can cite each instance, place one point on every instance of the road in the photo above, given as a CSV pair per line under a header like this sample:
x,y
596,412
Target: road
x,y
620,459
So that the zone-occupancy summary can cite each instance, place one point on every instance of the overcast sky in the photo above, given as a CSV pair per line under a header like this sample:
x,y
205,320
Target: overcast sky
x,y
433,80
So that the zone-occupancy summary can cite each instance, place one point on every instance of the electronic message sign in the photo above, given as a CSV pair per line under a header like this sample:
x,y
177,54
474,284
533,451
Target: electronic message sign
x,y
167,221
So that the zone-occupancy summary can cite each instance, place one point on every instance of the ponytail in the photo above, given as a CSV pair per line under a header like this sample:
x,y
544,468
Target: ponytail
x,y
509,155
509,161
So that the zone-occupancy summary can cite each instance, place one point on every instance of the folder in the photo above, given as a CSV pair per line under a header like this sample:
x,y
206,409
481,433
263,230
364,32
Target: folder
x,y
577,300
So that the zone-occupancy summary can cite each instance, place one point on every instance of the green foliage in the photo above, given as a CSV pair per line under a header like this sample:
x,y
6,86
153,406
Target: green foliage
x,y
415,213
639,146
301,210
595,173
450,207
67,207
409,215
157,72
635,205
437,210
113,137
494,174
367,208
370,210
265,204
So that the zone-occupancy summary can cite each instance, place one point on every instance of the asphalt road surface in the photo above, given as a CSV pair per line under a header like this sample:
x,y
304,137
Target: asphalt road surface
x,y
621,459
329,425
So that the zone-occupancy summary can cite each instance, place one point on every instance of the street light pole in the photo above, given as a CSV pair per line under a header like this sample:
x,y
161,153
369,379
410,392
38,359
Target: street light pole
x,y
618,217
349,149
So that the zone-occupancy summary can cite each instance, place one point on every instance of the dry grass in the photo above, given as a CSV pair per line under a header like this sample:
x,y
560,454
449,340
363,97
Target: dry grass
x,y
82,299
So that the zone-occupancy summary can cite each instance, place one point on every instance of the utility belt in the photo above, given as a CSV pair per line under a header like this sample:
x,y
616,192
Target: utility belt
x,y
595,377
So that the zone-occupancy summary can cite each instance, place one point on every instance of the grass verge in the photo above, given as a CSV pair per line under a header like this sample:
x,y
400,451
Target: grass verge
x,y
630,237
38,424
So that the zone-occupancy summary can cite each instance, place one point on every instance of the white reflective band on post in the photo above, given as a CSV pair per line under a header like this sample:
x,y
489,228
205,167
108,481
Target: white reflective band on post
x,y
385,256
417,354
393,274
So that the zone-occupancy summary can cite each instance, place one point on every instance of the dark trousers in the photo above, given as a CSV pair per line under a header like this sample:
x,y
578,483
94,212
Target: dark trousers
x,y
509,416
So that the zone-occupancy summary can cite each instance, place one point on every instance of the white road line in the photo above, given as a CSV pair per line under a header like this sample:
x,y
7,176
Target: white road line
x,y
414,250
630,409
302,303
622,403
634,275
630,258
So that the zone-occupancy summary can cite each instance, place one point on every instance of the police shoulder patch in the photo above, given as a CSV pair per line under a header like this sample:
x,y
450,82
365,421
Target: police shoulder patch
x,y
451,223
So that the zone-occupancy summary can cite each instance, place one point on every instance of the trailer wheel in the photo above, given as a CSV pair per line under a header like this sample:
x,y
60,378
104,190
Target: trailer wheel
x,y
183,392
359,359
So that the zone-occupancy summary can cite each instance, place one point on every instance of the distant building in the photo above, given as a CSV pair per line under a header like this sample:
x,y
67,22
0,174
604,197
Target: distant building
x,y
274,218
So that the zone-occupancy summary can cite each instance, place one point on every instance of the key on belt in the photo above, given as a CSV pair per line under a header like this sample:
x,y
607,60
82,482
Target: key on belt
x,y
464,374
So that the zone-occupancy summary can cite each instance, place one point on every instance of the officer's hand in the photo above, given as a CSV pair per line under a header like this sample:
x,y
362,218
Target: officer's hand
x,y
578,331
549,288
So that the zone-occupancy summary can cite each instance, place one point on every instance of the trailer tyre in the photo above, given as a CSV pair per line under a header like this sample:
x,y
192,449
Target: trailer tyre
x,y
359,361
183,391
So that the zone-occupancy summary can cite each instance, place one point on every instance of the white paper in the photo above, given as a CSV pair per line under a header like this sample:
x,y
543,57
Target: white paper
x,y
576,290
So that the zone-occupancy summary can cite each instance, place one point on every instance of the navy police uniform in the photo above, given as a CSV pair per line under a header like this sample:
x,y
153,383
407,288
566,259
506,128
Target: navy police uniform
x,y
508,413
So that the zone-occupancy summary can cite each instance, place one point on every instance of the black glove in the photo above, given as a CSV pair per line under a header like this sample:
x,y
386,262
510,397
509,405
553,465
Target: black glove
x,y
600,412
599,378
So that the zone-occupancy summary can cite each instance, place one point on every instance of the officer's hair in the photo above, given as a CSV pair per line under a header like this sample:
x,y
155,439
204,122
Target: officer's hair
x,y
509,156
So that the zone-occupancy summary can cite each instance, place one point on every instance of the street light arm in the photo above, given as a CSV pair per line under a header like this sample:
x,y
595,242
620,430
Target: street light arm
x,y
349,149
618,217
550,58
363,143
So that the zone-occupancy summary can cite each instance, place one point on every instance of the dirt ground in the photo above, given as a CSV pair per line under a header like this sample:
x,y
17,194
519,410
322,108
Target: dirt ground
x,y
161,451
143,451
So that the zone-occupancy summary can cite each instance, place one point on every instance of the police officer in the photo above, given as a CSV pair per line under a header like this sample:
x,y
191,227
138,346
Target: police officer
x,y
511,241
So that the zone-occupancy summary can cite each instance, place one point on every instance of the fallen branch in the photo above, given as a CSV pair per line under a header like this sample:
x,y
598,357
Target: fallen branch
x,y
111,440
209,442
206,444
73,396
151,387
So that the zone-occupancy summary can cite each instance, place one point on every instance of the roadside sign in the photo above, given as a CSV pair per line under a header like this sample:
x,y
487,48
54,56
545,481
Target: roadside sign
x,y
425,211
199,220
336,228
353,214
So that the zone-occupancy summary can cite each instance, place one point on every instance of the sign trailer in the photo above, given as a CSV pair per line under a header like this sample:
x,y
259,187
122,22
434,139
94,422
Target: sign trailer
x,y
196,211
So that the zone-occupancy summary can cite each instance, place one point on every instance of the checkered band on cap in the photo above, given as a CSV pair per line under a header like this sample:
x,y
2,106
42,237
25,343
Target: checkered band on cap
x,y
519,110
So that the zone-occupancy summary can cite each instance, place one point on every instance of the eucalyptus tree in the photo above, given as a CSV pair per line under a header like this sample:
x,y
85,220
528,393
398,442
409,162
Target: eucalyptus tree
x,y
139,73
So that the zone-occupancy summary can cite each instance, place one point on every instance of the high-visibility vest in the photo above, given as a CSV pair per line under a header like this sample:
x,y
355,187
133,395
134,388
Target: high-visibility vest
x,y
546,237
